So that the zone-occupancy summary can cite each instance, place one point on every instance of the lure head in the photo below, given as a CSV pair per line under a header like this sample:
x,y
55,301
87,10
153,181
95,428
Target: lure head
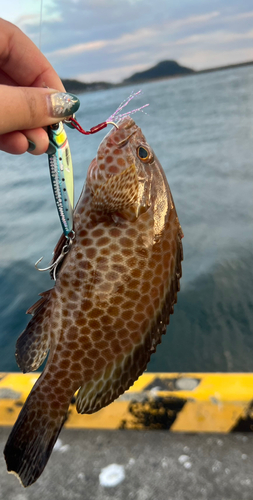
x,y
120,176
57,134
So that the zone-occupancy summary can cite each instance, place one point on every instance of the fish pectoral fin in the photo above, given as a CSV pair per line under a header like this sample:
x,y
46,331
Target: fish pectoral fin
x,y
33,344
35,307
32,310
118,192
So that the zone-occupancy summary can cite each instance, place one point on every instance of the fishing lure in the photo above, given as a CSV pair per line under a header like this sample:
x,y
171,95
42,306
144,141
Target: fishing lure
x,y
62,179
61,173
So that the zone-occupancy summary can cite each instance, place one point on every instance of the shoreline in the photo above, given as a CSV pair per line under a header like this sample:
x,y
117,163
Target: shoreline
x,y
78,87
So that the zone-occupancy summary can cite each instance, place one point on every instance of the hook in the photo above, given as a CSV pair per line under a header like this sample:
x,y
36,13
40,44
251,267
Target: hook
x,y
112,123
54,265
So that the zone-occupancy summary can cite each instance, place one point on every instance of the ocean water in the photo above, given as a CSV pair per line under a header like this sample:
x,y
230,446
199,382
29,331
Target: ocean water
x,y
201,128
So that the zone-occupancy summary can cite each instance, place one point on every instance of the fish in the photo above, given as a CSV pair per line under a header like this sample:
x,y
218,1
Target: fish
x,y
114,292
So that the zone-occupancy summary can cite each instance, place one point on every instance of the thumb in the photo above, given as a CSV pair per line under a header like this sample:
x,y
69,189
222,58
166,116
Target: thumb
x,y
32,107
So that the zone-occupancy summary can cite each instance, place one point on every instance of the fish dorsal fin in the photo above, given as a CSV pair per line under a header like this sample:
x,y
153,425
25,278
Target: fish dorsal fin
x,y
118,193
33,344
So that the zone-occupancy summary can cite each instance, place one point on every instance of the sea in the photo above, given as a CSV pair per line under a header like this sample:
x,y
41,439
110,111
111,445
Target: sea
x,y
201,129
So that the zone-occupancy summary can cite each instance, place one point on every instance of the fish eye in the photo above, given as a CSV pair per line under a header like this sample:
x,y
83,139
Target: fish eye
x,y
144,154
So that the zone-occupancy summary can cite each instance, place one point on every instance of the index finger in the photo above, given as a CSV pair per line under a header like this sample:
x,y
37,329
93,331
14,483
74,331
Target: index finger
x,y
23,62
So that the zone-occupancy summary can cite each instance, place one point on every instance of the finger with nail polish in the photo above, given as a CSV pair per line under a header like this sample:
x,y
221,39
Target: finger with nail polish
x,y
32,107
62,104
37,141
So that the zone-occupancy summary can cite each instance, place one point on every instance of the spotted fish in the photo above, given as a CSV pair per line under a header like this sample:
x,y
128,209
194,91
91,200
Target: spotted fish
x,y
112,299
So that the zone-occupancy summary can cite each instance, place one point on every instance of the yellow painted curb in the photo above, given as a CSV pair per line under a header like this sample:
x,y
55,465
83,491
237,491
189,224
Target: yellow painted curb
x,y
191,402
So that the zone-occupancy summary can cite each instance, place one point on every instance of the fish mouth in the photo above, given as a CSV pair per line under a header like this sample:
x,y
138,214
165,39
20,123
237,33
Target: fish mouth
x,y
125,141
127,122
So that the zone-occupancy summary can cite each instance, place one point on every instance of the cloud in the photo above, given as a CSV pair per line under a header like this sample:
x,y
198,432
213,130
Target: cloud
x,y
193,20
133,39
112,39
216,37
112,74
237,17
77,49
23,21
205,59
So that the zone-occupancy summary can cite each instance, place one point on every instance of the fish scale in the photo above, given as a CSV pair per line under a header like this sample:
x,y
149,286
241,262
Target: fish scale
x,y
112,299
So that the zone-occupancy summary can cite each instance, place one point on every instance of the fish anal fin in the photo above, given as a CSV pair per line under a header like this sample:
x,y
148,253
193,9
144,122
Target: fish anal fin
x,y
33,344
119,192
89,399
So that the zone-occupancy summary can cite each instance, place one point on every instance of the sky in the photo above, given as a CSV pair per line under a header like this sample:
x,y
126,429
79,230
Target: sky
x,y
109,40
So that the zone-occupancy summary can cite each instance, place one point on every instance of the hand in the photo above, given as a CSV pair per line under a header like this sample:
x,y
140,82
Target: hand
x,y
26,104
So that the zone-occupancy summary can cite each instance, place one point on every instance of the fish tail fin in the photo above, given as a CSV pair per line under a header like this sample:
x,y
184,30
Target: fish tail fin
x,y
33,436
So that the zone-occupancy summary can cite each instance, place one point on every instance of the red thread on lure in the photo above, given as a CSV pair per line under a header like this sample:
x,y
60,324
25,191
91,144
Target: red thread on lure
x,y
114,117
93,130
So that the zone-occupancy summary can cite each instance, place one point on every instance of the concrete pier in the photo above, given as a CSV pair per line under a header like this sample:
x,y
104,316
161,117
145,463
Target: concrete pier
x,y
156,465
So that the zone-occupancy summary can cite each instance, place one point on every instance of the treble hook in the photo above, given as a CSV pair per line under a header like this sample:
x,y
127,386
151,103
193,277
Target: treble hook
x,y
53,267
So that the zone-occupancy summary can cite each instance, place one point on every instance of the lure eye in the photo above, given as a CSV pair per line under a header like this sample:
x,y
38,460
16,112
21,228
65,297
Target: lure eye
x,y
55,126
144,154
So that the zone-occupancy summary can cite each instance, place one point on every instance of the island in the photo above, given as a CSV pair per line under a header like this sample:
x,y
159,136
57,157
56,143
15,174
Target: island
x,y
164,69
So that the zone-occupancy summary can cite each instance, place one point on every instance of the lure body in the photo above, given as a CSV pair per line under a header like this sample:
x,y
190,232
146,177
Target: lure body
x,y
113,296
61,173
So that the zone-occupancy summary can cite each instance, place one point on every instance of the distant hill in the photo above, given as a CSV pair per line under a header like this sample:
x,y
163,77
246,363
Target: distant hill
x,y
163,69
77,87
